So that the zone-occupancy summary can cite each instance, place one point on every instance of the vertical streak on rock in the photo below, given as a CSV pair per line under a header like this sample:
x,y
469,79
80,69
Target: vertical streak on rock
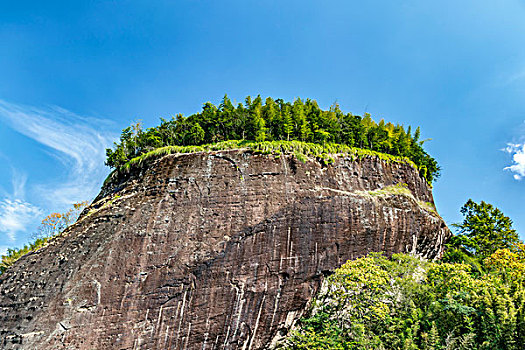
x,y
238,307
257,322
181,317
187,336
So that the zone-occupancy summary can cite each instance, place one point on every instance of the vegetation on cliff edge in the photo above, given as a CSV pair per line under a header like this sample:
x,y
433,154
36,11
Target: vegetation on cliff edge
x,y
273,120
302,150
51,226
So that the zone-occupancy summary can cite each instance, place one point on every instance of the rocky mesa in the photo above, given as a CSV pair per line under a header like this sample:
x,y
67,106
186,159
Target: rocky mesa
x,y
212,250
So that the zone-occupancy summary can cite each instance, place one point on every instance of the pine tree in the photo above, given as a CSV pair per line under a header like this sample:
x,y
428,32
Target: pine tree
x,y
484,230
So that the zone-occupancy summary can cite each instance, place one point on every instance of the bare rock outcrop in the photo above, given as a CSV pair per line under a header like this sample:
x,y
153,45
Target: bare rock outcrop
x,y
212,250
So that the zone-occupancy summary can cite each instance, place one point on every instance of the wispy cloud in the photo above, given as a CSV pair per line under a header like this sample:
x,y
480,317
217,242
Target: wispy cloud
x,y
76,141
16,216
19,180
514,77
518,157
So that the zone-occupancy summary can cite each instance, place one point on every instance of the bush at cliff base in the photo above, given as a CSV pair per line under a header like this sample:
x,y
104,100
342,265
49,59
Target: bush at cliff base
x,y
406,303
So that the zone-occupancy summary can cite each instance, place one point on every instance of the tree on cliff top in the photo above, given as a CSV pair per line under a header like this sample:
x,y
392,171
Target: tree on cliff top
x,y
274,120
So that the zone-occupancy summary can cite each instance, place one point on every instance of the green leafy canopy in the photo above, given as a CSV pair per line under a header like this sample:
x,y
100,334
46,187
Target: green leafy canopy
x,y
403,302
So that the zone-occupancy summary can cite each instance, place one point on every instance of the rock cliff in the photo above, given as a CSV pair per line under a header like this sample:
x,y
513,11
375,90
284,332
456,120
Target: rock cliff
x,y
212,250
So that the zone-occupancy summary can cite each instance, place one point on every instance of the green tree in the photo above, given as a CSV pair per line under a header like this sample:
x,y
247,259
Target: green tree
x,y
484,230
257,125
271,118
226,119
195,134
288,126
301,123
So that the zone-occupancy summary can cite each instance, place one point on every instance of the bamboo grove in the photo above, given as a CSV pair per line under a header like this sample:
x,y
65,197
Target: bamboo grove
x,y
274,120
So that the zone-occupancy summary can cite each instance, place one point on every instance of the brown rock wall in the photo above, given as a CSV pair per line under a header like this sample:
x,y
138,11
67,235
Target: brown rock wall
x,y
219,250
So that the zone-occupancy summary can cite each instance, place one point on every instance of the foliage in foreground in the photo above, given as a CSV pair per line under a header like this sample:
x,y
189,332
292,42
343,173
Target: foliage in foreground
x,y
406,303
51,226
274,120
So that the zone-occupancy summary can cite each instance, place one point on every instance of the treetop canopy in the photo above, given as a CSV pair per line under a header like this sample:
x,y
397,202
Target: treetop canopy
x,y
274,120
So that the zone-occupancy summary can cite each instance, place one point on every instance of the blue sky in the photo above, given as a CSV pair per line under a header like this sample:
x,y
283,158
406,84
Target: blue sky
x,y
73,74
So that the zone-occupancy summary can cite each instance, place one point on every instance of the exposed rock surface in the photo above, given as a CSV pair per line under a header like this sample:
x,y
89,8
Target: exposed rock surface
x,y
219,250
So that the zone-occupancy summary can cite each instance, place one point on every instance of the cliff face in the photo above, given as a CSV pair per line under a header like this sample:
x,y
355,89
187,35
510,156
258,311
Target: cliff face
x,y
219,250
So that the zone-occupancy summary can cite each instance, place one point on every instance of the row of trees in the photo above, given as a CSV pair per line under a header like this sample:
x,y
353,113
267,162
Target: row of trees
x,y
256,120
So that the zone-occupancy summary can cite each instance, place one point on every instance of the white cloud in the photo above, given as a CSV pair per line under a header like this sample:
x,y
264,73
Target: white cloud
x,y
18,180
16,216
3,250
76,141
518,156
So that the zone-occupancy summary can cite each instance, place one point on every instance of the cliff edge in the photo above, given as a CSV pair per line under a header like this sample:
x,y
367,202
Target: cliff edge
x,y
211,250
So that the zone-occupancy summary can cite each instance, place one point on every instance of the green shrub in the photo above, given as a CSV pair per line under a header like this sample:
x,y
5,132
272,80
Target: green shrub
x,y
13,254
